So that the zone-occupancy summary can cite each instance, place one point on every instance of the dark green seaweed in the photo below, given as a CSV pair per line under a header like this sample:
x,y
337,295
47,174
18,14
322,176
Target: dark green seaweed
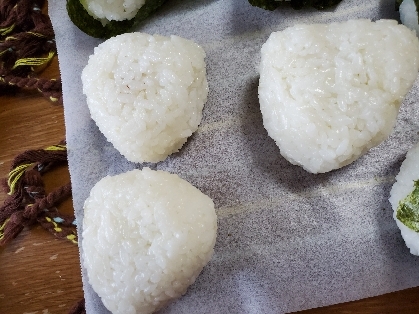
x,y
408,209
93,27
295,4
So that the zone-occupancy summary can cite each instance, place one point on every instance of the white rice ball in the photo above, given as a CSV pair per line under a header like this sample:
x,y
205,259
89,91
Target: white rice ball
x,y
409,172
409,15
329,92
113,10
146,93
146,237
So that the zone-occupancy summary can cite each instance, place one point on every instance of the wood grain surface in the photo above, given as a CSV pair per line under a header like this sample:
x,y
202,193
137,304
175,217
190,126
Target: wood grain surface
x,y
40,274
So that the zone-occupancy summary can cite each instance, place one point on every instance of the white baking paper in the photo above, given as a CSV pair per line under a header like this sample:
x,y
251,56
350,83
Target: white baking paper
x,y
287,240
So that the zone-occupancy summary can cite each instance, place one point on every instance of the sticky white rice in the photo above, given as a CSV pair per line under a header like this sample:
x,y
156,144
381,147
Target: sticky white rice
x,y
113,10
146,93
329,92
146,237
409,172
409,15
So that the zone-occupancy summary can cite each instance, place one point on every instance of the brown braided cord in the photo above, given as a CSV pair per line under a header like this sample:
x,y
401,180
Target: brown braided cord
x,y
29,188
28,203
41,156
49,88
31,212
26,44
36,212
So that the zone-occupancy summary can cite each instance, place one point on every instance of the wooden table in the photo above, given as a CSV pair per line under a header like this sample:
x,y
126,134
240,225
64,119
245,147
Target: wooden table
x,y
40,274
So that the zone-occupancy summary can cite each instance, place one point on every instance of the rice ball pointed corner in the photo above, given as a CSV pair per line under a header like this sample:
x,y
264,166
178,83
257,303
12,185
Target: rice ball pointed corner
x,y
330,92
146,237
146,93
402,188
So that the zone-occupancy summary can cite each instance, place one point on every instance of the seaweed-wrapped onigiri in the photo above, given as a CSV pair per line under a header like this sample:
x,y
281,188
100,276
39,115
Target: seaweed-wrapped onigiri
x,y
107,18
404,198
329,92
146,93
146,237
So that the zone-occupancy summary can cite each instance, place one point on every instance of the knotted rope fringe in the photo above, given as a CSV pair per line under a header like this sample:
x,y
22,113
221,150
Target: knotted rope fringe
x,y
26,44
28,202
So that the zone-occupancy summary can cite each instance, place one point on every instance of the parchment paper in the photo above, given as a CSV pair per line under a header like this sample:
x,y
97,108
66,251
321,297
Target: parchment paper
x,y
287,240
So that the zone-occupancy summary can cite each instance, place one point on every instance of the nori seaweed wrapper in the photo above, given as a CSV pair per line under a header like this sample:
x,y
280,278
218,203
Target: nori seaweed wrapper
x,y
93,27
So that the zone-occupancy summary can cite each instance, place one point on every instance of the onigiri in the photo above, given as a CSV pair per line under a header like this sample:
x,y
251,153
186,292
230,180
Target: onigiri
x,y
330,92
146,237
404,199
146,93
